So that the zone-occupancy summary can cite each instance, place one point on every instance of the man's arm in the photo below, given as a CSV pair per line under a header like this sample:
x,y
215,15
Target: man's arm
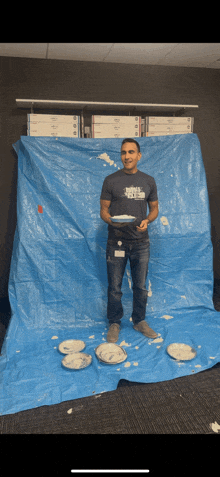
x,y
154,210
105,215
104,212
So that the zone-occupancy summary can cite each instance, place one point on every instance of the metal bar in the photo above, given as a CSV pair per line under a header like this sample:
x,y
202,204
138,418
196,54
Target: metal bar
x,y
22,103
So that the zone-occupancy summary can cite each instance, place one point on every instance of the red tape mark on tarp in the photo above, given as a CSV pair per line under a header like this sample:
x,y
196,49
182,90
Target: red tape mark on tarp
x,y
40,209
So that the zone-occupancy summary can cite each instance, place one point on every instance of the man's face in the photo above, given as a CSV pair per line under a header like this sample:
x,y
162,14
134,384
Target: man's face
x,y
130,157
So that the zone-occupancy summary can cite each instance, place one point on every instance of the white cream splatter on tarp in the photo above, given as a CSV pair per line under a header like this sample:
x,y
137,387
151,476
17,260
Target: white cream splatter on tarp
x,y
135,364
123,343
127,364
197,365
130,319
167,317
164,220
215,426
183,296
54,338
91,337
157,340
107,159
136,347
211,357
18,351
149,291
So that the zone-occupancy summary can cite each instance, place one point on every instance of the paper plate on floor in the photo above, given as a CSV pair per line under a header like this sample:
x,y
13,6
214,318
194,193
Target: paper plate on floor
x,y
77,360
123,218
71,346
110,353
181,351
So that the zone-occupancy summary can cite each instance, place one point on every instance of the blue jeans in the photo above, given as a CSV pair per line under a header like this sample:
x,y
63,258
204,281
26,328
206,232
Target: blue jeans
x,y
138,254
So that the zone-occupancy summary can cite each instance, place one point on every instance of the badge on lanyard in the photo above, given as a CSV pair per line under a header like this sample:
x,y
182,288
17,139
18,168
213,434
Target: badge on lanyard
x,y
119,253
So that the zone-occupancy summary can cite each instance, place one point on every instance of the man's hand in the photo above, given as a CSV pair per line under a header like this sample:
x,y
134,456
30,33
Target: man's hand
x,y
143,226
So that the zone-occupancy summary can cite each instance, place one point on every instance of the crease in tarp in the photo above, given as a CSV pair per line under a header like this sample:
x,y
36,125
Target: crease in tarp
x,y
58,278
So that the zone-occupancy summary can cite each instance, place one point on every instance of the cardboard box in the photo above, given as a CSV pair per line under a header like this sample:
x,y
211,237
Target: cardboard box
x,y
52,124
110,130
131,120
55,133
161,133
51,127
168,120
112,135
116,127
184,128
46,118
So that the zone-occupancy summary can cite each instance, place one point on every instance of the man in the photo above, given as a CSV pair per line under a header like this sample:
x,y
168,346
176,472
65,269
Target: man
x,y
128,191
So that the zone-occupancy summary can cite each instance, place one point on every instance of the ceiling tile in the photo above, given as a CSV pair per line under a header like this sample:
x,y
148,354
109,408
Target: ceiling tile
x,y
138,53
203,55
79,51
215,65
191,53
25,50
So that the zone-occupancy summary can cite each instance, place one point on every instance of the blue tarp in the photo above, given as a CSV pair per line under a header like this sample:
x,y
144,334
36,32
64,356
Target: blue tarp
x,y
58,277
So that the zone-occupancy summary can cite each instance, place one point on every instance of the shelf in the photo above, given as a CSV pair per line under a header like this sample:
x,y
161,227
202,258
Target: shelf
x,y
94,106
101,106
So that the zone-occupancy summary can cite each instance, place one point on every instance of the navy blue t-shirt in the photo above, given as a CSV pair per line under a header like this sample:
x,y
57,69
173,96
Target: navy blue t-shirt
x,y
129,195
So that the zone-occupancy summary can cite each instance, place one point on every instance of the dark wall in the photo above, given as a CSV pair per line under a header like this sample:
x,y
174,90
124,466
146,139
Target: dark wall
x,y
94,81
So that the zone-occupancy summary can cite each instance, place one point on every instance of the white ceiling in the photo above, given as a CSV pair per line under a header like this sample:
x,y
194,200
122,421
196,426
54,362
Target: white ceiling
x,y
200,55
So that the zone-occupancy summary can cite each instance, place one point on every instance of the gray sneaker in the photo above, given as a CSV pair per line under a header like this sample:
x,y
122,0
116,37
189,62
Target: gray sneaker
x,y
113,333
143,327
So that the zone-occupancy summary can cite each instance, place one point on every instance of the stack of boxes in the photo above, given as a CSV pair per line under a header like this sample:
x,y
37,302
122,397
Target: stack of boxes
x,y
163,126
53,125
115,126
108,126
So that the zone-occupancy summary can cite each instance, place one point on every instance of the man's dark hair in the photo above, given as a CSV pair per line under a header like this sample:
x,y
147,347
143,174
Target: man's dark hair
x,y
129,139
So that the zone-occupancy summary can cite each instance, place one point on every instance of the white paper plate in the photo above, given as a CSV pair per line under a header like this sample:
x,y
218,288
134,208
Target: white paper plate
x,y
181,351
110,353
77,360
123,218
71,346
